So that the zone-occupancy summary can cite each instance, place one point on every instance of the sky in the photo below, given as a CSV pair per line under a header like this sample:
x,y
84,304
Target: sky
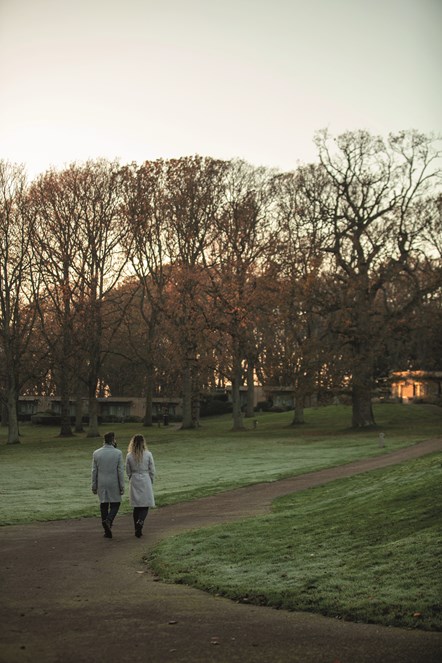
x,y
135,80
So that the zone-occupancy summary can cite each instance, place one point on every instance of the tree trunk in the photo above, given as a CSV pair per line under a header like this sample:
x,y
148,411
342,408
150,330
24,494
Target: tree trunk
x,y
4,415
250,389
362,385
148,414
187,396
196,409
298,414
79,414
13,431
236,395
94,351
65,429
195,395
93,409
362,411
93,417
65,364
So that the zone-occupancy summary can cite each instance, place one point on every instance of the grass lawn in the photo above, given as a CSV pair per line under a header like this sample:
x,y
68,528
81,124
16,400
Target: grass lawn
x,y
367,548
47,478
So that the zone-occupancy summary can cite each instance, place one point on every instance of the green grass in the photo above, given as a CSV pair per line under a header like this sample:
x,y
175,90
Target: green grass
x,y
47,478
367,548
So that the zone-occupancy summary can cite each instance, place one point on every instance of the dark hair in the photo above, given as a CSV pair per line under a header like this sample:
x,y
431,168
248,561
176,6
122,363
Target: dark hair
x,y
109,438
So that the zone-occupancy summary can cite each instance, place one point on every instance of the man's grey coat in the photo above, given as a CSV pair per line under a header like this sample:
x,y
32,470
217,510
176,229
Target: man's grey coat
x,y
108,473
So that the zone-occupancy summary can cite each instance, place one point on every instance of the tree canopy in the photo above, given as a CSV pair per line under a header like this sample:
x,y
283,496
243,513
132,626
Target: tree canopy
x,y
188,274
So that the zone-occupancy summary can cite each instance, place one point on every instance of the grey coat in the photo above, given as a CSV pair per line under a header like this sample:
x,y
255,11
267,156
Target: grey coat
x,y
141,476
108,473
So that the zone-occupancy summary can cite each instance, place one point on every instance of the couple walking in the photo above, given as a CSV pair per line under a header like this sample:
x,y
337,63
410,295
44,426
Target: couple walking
x,y
108,480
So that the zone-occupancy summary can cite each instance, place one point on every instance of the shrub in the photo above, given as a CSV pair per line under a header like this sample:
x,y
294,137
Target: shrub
x,y
46,418
263,406
214,407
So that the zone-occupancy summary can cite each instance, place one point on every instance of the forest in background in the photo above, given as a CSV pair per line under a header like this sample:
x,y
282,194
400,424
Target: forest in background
x,y
177,277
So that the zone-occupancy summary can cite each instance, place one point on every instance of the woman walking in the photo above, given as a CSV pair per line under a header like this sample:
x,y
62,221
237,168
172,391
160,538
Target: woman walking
x,y
140,469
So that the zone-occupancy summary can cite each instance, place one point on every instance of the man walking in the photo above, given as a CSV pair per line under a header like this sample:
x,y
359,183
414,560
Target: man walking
x,y
108,480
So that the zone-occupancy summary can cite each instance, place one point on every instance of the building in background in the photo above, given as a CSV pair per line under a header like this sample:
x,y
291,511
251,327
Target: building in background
x,y
416,386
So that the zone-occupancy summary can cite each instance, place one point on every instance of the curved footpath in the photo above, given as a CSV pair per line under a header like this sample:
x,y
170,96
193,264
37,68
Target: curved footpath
x,y
68,595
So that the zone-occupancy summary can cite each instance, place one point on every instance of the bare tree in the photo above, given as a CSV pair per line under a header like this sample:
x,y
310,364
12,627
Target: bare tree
x,y
194,188
17,312
57,239
244,244
145,213
103,259
300,337
373,237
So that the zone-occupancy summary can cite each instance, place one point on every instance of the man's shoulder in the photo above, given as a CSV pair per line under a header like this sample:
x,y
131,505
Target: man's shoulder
x,y
107,449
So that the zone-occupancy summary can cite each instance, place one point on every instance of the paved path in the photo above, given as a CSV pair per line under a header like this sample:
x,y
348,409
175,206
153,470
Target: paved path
x,y
68,595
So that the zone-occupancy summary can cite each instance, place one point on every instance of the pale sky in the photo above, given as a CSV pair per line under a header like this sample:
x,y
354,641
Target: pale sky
x,y
143,79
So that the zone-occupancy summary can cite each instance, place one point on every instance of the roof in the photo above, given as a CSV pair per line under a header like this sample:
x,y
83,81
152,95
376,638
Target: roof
x,y
416,375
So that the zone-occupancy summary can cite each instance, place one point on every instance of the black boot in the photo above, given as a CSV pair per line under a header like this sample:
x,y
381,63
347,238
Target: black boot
x,y
107,528
139,528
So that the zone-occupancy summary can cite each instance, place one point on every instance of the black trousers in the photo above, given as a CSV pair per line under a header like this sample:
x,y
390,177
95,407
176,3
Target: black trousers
x,y
140,514
109,510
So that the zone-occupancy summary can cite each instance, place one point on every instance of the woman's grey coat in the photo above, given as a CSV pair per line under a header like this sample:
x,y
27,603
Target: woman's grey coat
x,y
108,473
141,476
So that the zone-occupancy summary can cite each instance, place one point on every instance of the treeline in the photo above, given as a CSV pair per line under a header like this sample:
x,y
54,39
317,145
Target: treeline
x,y
178,276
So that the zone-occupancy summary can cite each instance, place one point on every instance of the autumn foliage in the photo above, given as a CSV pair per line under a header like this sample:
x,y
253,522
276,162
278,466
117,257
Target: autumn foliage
x,y
179,277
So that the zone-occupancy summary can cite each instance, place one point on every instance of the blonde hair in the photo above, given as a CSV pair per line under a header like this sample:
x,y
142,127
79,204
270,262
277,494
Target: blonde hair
x,y
137,445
